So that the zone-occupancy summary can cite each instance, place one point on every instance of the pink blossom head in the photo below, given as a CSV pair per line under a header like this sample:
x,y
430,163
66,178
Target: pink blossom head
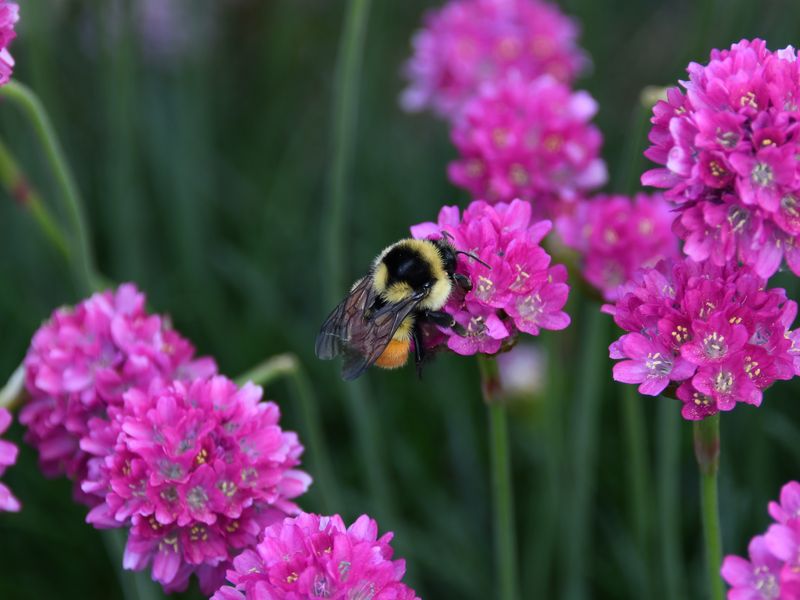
x,y
532,140
771,570
8,456
616,235
716,333
310,556
467,43
728,147
84,359
197,470
518,290
9,15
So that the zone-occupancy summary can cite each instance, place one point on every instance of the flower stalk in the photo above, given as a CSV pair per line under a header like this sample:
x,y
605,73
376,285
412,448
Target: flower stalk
x,y
706,450
82,262
502,491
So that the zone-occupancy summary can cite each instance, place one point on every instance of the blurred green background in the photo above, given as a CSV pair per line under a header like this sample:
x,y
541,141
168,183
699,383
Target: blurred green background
x,y
202,149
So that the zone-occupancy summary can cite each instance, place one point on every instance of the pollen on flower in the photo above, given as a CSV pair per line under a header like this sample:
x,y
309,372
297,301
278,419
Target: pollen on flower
x,y
718,334
289,551
519,291
728,160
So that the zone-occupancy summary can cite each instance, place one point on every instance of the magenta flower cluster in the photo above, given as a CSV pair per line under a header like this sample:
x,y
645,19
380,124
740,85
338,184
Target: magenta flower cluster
x,y
617,235
310,556
715,332
516,290
196,470
729,148
467,43
773,569
84,359
9,15
531,140
8,456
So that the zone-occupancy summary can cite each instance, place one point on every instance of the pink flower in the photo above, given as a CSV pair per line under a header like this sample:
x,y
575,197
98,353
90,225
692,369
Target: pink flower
x,y
310,556
8,456
9,15
467,43
519,290
617,235
197,470
728,148
84,359
716,333
531,140
772,571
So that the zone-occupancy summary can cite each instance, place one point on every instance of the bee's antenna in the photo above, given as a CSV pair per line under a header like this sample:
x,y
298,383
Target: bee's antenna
x,y
471,255
446,234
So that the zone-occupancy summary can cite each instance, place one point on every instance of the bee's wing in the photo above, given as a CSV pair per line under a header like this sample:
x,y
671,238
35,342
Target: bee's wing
x,y
359,340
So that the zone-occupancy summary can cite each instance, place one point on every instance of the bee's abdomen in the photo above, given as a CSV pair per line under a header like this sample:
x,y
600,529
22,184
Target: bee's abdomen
x,y
395,355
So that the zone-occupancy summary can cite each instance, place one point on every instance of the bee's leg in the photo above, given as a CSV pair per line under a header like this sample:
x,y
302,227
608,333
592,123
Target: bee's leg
x,y
462,281
419,349
443,319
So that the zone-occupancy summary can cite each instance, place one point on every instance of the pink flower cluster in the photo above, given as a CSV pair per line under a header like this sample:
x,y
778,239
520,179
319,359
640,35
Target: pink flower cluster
x,y
311,556
84,359
531,140
716,332
8,456
9,15
617,235
729,148
773,569
469,42
196,470
518,291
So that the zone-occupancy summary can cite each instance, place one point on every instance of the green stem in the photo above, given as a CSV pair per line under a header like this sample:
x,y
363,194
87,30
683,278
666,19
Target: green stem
x,y
288,366
20,189
502,494
637,471
345,111
13,392
82,262
706,449
669,502
586,421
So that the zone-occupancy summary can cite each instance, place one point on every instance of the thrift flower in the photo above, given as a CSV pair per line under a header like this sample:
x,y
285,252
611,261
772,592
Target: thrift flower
x,y
197,470
728,147
311,556
84,359
531,140
771,573
519,290
8,456
9,15
617,235
469,42
717,333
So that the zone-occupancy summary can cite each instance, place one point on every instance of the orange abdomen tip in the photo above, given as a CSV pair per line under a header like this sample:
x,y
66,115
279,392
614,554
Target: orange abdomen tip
x,y
395,355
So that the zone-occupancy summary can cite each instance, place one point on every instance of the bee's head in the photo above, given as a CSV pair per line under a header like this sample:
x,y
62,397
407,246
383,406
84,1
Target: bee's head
x,y
448,253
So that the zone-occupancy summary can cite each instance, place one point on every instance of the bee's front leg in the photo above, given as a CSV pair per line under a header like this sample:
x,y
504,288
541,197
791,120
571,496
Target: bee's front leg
x,y
443,319
462,281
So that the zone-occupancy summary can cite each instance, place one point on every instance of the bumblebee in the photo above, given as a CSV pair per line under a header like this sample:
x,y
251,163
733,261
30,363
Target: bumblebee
x,y
390,307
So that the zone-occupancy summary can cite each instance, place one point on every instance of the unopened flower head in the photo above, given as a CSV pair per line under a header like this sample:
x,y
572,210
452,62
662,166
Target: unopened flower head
x,y
728,147
197,470
467,43
9,15
84,359
716,332
617,235
517,290
772,569
312,556
532,140
8,456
